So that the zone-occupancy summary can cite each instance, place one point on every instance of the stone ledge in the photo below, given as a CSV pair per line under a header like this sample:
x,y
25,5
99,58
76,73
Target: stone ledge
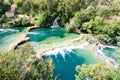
x,y
21,41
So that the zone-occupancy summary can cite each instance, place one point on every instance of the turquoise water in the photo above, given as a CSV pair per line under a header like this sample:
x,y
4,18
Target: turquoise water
x,y
65,67
43,34
111,53
45,37
9,31
8,36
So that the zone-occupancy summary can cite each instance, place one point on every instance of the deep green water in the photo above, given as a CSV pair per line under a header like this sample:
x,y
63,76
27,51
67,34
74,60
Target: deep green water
x,y
45,37
65,67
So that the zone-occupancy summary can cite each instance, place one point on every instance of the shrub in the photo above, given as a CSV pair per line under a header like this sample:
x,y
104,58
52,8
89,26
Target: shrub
x,y
4,19
22,22
104,38
118,44
39,19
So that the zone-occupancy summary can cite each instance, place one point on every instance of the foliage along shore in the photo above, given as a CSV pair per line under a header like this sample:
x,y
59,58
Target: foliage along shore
x,y
99,18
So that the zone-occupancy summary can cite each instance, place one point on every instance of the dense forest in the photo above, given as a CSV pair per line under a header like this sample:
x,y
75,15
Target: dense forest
x,y
100,18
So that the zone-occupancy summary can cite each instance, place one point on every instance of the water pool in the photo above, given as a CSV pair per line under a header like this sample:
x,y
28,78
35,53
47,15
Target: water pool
x,y
65,66
44,37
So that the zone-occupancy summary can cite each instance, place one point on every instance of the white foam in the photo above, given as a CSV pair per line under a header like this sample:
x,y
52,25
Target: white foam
x,y
6,30
107,59
64,50
102,54
1,30
110,46
33,33
12,30
82,46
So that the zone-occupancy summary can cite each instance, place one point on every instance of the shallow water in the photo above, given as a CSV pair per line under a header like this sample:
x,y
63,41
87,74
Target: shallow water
x,y
111,53
8,36
9,31
65,66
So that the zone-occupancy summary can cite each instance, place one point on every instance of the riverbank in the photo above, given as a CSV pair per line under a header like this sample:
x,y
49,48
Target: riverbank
x,y
77,43
22,40
10,37
72,43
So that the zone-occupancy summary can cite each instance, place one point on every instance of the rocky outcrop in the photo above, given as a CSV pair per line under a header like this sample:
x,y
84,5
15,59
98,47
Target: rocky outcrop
x,y
11,12
31,28
23,38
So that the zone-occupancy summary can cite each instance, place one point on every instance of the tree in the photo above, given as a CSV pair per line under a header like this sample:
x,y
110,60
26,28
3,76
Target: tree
x,y
21,22
21,64
94,26
40,70
3,8
116,74
94,72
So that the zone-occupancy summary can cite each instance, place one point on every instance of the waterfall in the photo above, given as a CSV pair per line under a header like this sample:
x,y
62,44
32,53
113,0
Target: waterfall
x,y
55,24
56,51
64,50
107,59
99,51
